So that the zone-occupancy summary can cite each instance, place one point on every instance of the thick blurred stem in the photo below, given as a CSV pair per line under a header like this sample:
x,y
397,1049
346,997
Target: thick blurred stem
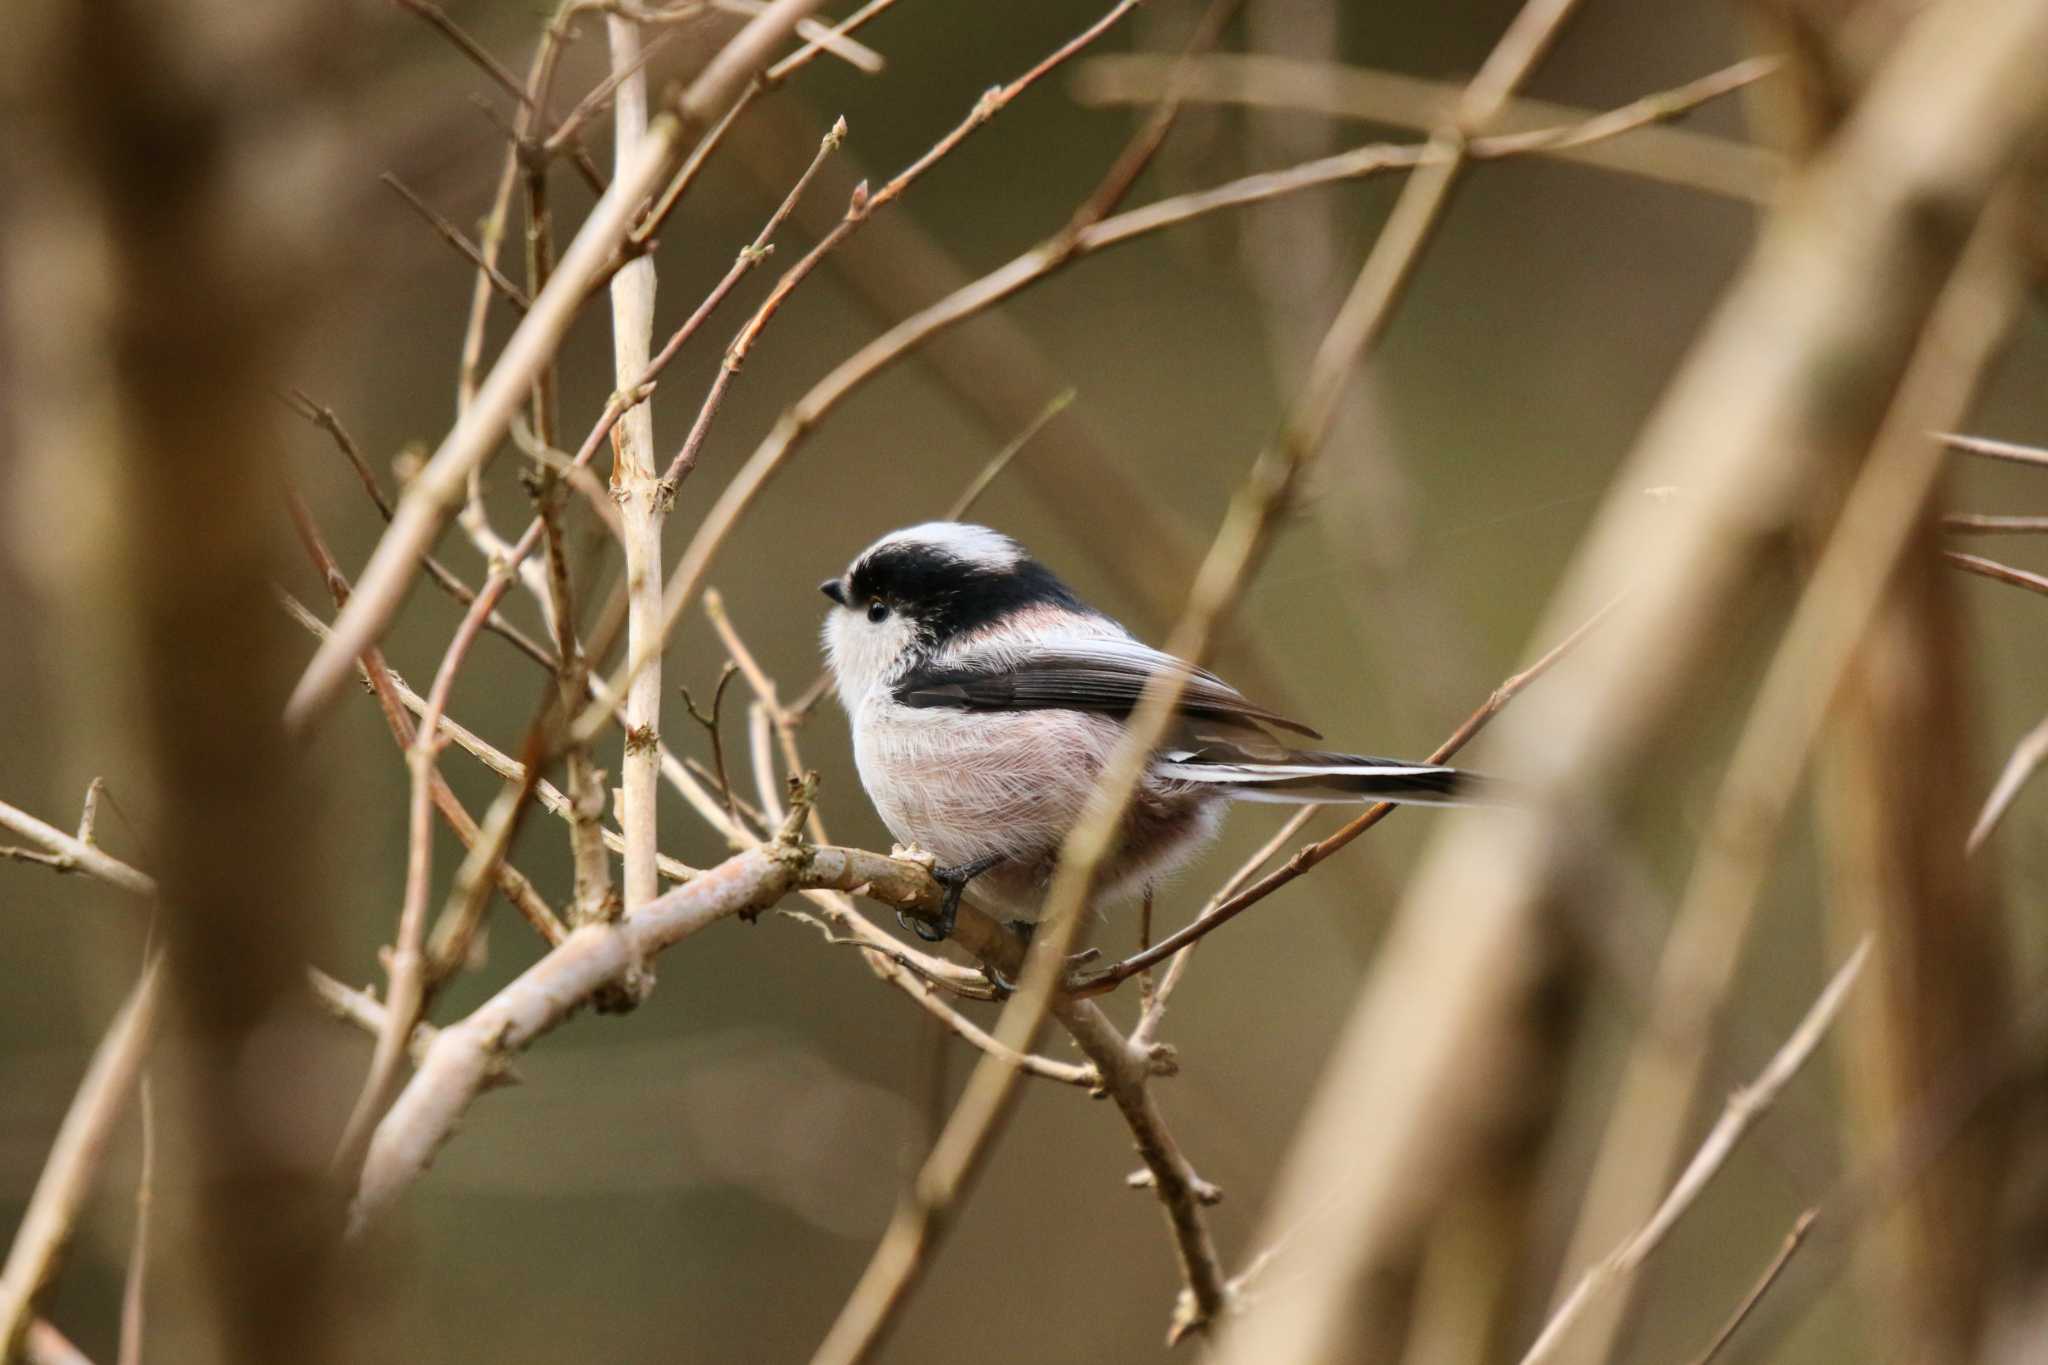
x,y
1897,795
1796,372
642,501
158,285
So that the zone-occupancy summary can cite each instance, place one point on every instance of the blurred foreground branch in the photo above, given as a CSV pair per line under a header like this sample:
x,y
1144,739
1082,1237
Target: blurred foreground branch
x,y
1798,366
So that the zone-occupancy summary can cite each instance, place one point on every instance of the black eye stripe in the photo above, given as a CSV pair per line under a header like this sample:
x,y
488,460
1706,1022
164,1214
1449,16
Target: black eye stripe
x,y
946,595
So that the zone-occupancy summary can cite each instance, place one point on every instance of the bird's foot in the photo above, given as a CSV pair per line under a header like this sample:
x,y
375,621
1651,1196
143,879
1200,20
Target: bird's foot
x,y
1005,987
954,879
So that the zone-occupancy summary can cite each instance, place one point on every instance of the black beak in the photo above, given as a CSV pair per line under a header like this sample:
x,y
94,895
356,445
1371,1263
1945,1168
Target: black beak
x,y
832,589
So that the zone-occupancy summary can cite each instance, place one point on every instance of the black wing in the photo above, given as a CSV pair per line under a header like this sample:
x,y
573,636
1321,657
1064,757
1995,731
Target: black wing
x,y
1106,676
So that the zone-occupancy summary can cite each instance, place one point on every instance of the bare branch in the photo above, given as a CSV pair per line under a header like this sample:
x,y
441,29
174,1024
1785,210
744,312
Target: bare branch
x,y
1744,1108
434,493
1701,161
1045,260
1793,1241
68,853
2026,759
452,235
1237,902
75,1159
991,471
592,959
2010,451
1991,568
1747,427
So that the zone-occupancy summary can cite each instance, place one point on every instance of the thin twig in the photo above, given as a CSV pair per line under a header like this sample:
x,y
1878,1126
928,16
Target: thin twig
x,y
1793,1241
1744,1108
367,1013
518,890
1699,161
684,177
75,1159
552,798
689,573
2010,451
1991,568
434,493
468,47
1046,259
1153,1012
445,578
1937,374
2020,767
452,235
1307,857
991,471
1977,523
709,720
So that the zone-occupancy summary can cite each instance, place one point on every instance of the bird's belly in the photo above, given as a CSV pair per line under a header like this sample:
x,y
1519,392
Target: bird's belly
x,y
967,785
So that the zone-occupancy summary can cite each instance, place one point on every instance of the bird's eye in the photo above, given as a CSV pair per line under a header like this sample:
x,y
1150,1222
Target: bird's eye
x,y
878,611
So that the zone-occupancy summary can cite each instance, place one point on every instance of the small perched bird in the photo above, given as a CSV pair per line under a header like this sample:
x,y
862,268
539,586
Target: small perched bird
x,y
985,698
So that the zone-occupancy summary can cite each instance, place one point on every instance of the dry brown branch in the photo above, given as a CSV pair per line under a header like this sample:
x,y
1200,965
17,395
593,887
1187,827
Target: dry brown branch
x,y
1700,161
75,1159
1841,283
68,853
444,577
469,47
689,573
686,175
1127,1067
1744,1108
642,507
518,890
1153,1010
1239,546
592,959
465,248
1000,461
434,493
1237,901
1992,569
841,921
594,899
2010,451
2026,759
1053,255
1794,1239
1729,871
1977,523
552,798
1895,797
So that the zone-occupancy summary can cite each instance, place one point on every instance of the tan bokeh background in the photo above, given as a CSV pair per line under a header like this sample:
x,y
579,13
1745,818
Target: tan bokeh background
x,y
703,1179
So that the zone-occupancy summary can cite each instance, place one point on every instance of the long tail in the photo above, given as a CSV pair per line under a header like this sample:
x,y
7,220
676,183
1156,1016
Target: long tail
x,y
1305,776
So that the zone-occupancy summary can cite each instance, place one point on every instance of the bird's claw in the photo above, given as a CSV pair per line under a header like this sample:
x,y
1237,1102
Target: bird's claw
x,y
954,879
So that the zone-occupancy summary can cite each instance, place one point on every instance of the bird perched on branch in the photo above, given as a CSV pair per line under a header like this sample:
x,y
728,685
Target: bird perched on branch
x,y
986,697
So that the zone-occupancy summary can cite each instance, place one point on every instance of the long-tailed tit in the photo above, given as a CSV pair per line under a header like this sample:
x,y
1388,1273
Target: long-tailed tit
x,y
985,698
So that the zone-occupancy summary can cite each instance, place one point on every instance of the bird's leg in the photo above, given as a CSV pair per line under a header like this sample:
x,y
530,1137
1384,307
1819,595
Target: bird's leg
x,y
1025,930
955,880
